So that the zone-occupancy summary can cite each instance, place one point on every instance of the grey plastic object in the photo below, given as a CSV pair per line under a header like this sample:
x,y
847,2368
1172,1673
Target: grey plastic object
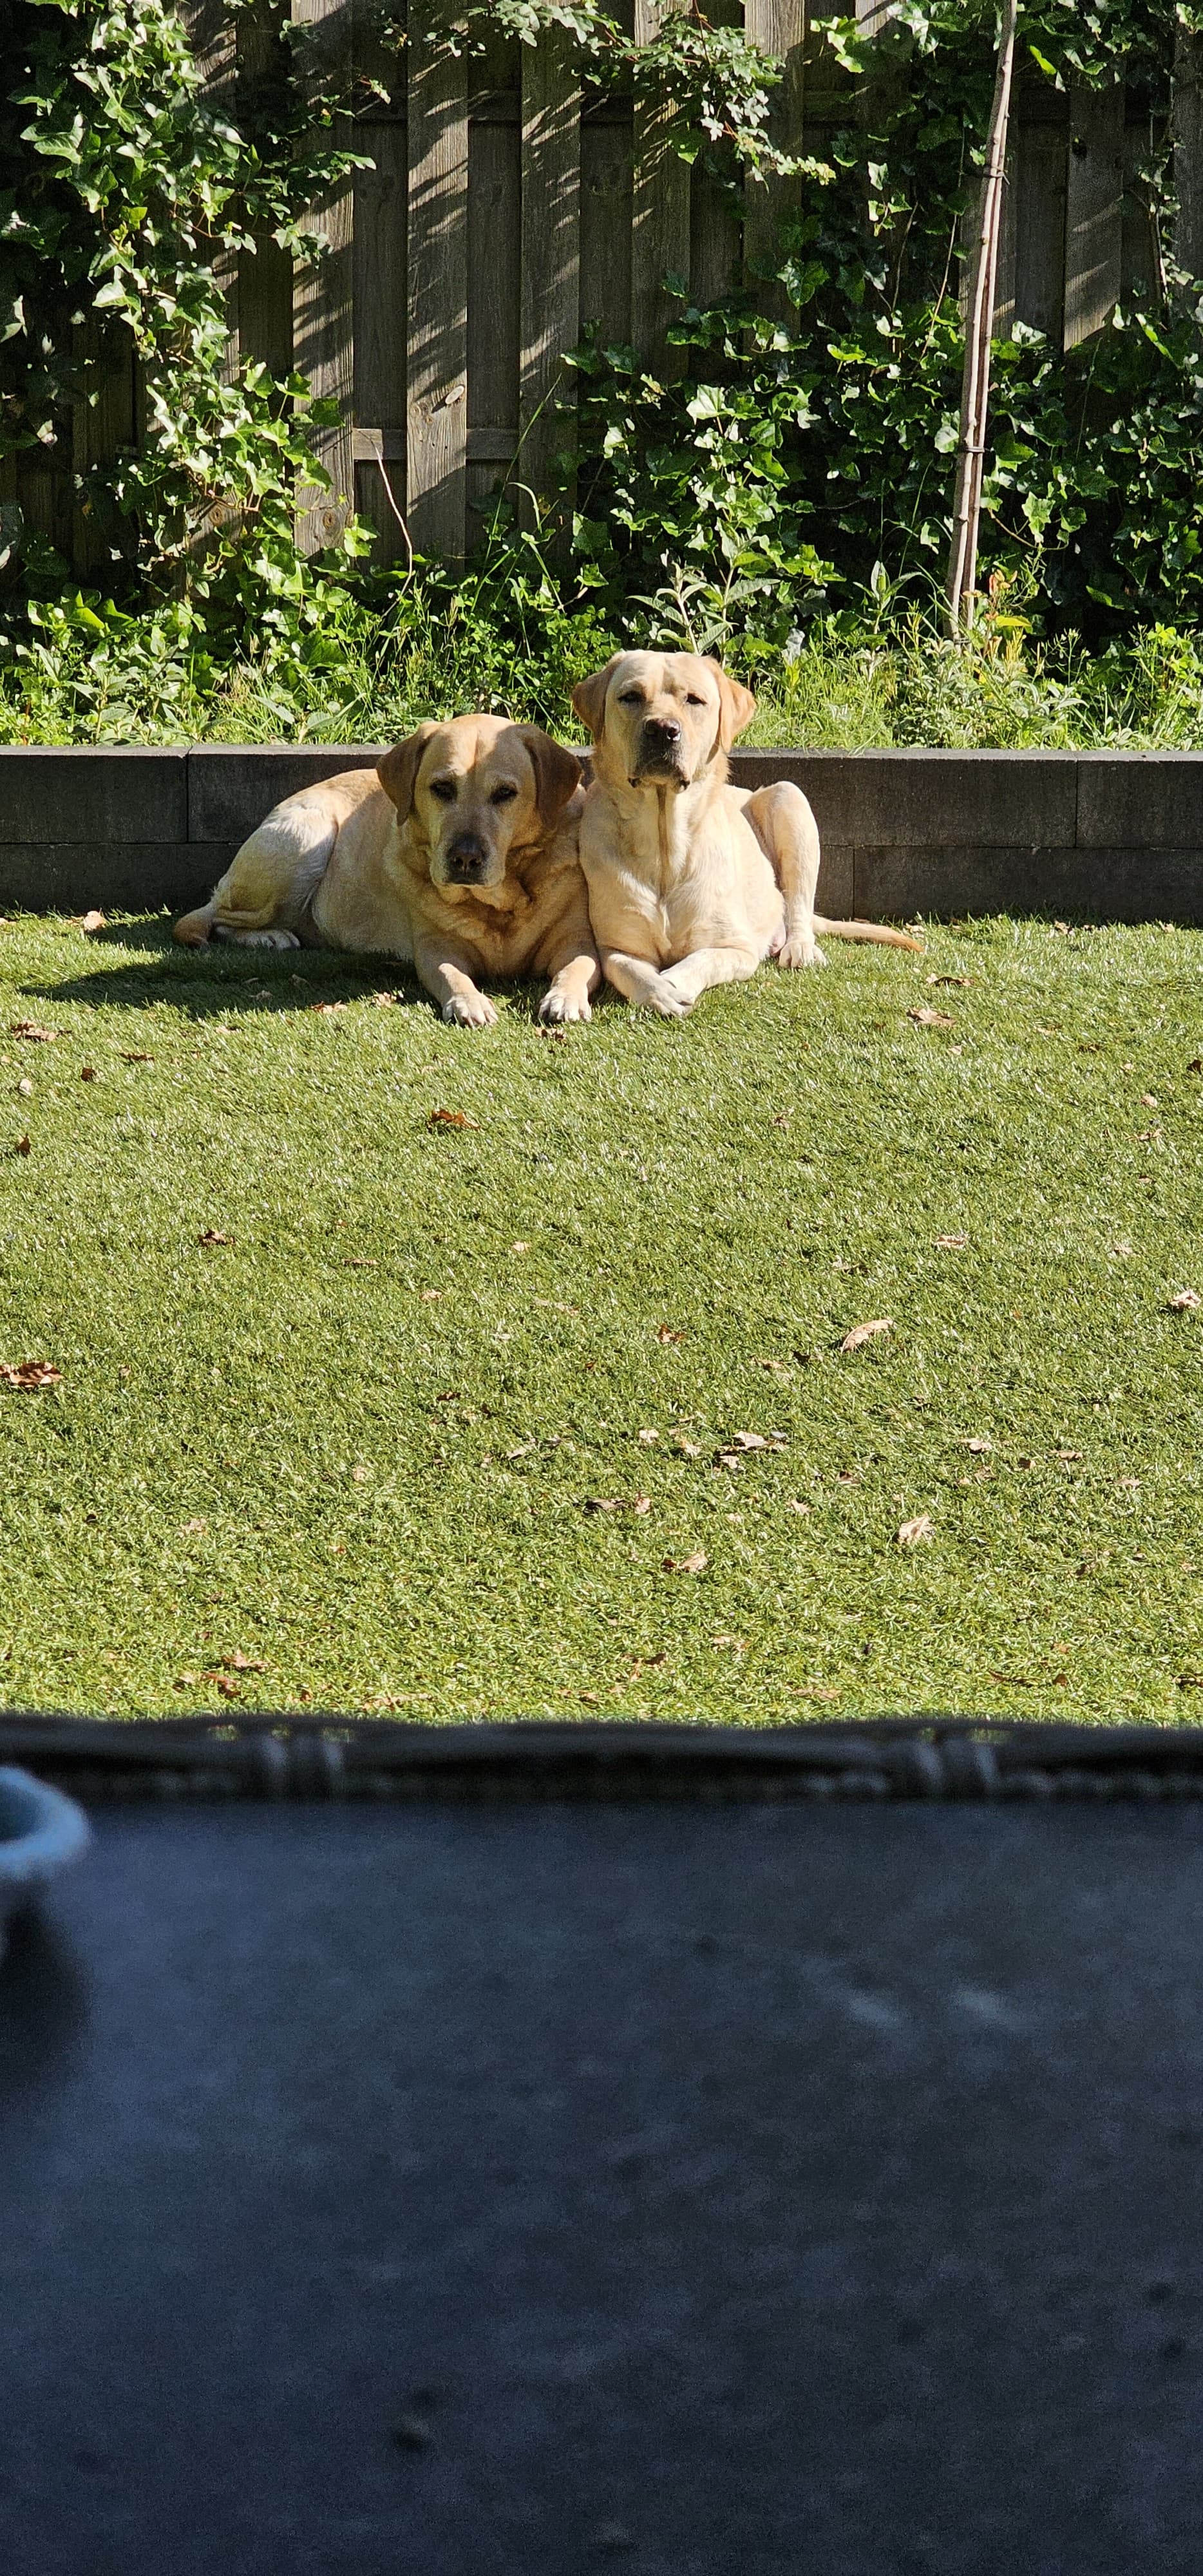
x,y
40,1832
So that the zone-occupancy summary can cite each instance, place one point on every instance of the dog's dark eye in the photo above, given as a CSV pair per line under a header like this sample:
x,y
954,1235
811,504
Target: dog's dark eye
x,y
444,789
693,701
631,698
503,795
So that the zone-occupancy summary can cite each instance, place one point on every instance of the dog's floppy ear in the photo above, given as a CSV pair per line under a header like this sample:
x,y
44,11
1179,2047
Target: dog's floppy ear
x,y
737,706
557,773
398,771
589,697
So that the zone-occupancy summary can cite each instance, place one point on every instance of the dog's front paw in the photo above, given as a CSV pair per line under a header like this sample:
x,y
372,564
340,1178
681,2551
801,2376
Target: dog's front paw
x,y
800,951
558,1005
258,938
469,1011
662,996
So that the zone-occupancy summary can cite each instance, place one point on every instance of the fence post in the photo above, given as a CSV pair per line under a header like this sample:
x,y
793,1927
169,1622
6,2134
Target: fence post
x,y
551,257
779,28
1094,212
437,356
1188,151
660,228
323,298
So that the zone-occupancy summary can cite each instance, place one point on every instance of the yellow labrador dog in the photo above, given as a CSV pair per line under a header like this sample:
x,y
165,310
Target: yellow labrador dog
x,y
459,852
691,882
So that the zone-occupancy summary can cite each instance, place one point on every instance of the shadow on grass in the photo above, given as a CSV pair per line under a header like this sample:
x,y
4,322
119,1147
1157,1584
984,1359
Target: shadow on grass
x,y
213,983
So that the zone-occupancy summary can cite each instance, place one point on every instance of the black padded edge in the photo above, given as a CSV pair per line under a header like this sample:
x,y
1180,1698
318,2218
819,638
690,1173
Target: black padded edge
x,y
325,1756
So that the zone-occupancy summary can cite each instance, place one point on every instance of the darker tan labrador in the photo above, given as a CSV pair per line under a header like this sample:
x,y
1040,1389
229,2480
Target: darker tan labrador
x,y
458,853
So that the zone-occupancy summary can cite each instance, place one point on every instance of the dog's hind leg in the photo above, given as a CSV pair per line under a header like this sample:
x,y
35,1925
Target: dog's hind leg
x,y
789,836
269,884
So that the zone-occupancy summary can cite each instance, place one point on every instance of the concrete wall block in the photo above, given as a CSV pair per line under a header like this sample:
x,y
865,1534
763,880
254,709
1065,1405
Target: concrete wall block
x,y
91,795
836,882
930,799
115,876
231,787
1140,800
1105,885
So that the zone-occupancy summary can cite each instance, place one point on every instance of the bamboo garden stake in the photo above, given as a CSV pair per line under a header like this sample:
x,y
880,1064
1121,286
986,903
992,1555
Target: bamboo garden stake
x,y
975,389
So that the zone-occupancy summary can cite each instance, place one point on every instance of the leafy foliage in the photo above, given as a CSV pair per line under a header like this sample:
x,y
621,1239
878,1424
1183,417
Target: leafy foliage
x,y
130,190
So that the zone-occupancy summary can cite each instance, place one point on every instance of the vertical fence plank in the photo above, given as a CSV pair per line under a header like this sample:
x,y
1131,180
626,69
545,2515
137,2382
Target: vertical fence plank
x,y
101,424
379,348
606,219
1188,150
437,362
264,274
660,213
551,254
1094,210
212,36
1041,153
323,300
779,27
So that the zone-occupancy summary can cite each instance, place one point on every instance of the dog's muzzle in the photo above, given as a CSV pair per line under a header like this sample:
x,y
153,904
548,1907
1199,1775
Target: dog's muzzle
x,y
467,859
659,756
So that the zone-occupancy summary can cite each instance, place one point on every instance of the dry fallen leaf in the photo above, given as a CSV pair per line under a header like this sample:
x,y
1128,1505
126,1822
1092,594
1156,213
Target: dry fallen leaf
x,y
1069,1457
450,1118
327,1007
951,1242
980,1448
92,921
818,1690
22,1145
1148,1100
948,979
210,1237
380,1001
229,1689
642,1504
912,1531
794,1505
195,1529
603,1503
1186,1298
186,1681
929,1019
32,1030
25,1087
359,1473
865,1332
688,1448
749,1440
431,1296
135,1055
665,1333
360,1261
87,1073
240,1663
647,1437
520,1247
1196,1064
29,1373
729,1458
694,1564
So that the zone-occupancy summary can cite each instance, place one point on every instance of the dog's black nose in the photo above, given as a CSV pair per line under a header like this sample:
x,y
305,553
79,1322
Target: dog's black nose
x,y
662,730
467,855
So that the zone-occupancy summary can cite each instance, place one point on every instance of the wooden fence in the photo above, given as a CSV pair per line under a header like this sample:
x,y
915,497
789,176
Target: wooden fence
x,y
504,210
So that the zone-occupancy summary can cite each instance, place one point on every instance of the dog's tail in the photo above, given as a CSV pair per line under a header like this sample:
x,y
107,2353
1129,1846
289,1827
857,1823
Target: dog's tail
x,y
195,930
862,930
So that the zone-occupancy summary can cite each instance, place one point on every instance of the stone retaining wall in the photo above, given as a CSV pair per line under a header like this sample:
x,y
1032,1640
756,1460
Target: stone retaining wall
x,y
1113,835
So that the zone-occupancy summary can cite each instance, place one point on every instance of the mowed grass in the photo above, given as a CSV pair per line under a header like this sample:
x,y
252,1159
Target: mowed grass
x,y
343,1459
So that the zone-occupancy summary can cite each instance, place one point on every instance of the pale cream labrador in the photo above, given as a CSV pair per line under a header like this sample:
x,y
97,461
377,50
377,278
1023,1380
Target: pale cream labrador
x,y
691,882
458,853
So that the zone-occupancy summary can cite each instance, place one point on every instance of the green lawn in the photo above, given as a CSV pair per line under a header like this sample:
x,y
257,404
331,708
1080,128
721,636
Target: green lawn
x,y
343,1459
